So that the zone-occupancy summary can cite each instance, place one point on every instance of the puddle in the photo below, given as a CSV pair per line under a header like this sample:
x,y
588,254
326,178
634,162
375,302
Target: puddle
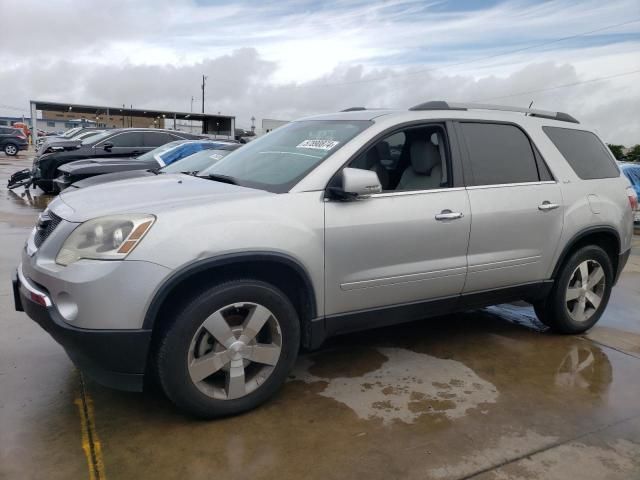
x,y
403,387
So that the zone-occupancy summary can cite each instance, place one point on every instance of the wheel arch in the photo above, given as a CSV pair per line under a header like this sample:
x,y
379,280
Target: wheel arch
x,y
281,270
605,237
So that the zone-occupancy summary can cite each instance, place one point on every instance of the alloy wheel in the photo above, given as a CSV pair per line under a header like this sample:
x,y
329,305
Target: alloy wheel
x,y
235,350
585,290
10,150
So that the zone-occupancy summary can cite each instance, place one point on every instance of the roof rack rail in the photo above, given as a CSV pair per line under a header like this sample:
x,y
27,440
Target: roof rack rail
x,y
353,109
442,105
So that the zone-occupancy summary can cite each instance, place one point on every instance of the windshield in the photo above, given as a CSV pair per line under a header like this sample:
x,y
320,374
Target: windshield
x,y
633,174
153,154
87,134
280,159
71,133
96,138
197,161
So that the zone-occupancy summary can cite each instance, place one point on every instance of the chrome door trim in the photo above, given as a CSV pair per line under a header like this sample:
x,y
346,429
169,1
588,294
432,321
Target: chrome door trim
x,y
416,192
520,184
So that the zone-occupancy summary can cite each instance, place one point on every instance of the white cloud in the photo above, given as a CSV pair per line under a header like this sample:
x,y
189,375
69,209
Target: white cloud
x,y
283,60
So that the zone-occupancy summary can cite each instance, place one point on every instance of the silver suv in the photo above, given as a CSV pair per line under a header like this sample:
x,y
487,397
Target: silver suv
x,y
330,224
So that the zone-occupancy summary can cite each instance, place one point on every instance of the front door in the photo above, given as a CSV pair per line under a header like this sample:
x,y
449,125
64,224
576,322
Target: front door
x,y
406,244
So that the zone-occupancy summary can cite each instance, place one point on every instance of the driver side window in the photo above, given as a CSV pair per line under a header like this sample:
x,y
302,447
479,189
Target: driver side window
x,y
413,159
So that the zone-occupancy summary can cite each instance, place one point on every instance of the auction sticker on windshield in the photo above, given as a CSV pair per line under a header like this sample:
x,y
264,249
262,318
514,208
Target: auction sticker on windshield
x,y
318,144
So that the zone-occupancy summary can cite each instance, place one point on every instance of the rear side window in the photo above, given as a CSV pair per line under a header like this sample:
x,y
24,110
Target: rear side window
x,y
156,139
584,151
499,154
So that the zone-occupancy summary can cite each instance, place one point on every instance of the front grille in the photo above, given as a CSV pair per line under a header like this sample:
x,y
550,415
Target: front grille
x,y
47,223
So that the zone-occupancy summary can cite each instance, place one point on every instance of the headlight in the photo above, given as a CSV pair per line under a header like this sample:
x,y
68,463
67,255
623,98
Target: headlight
x,y
105,238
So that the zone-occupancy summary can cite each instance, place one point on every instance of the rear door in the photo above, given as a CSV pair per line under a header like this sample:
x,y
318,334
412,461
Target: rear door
x,y
516,207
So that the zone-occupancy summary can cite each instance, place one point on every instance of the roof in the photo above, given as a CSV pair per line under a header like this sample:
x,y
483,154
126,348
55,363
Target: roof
x,y
442,109
120,110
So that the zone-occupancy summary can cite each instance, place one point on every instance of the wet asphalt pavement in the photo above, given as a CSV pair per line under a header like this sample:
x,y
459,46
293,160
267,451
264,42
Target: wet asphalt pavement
x,y
486,394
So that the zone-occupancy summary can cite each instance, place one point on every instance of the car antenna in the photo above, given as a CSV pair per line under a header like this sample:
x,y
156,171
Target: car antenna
x,y
526,114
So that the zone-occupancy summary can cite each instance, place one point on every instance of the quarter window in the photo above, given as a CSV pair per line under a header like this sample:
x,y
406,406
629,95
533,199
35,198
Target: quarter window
x,y
586,154
156,139
498,154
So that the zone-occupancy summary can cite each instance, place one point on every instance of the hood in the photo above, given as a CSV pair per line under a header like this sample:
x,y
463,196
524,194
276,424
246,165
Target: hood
x,y
111,177
146,195
59,145
97,166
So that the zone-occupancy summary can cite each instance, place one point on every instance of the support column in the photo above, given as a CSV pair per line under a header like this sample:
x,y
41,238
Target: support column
x,y
34,123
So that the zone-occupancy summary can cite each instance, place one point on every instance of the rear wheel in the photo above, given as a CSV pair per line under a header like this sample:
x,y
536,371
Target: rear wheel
x,y
11,149
229,349
580,293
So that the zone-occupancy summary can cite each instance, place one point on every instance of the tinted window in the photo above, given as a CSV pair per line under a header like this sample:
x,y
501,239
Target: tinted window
x,y
155,139
499,154
127,139
586,154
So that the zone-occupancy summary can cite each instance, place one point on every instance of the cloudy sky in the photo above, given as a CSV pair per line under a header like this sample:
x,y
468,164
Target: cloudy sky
x,y
285,59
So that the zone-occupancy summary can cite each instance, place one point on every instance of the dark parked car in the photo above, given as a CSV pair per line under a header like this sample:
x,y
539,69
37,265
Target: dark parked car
x,y
12,140
45,144
155,159
192,165
122,142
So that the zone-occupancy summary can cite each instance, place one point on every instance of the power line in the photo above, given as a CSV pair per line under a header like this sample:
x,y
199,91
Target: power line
x,y
479,59
556,87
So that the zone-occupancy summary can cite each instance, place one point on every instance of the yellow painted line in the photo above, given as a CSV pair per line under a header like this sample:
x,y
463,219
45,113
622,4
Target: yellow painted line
x,y
90,441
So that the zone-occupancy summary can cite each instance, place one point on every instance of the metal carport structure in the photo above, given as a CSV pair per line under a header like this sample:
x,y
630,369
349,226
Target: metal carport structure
x,y
219,125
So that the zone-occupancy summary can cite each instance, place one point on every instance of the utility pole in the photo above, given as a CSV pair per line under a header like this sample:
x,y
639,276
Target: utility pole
x,y
204,80
191,120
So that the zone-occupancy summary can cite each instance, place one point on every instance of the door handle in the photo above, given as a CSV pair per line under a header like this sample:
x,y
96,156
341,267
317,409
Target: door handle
x,y
547,205
448,215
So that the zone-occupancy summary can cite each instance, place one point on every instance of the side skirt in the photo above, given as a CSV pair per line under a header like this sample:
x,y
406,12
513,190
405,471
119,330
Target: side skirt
x,y
338,324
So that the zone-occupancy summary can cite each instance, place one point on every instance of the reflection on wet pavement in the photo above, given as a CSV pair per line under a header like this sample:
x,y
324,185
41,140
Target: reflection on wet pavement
x,y
487,393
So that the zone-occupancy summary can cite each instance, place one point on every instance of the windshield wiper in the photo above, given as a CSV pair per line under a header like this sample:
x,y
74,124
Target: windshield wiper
x,y
222,178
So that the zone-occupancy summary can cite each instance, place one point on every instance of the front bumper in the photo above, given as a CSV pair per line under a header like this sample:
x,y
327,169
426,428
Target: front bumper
x,y
114,358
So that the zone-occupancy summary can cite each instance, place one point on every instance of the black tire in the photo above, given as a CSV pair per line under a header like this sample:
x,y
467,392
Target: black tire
x,y
554,312
11,149
47,186
171,357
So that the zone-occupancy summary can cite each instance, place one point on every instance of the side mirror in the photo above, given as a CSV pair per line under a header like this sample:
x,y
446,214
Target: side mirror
x,y
357,184
108,146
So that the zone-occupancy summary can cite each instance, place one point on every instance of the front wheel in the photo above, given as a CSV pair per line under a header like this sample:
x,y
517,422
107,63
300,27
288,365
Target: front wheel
x,y
10,149
229,349
580,293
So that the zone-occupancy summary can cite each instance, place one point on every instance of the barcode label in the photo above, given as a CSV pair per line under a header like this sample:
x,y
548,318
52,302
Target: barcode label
x,y
318,144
